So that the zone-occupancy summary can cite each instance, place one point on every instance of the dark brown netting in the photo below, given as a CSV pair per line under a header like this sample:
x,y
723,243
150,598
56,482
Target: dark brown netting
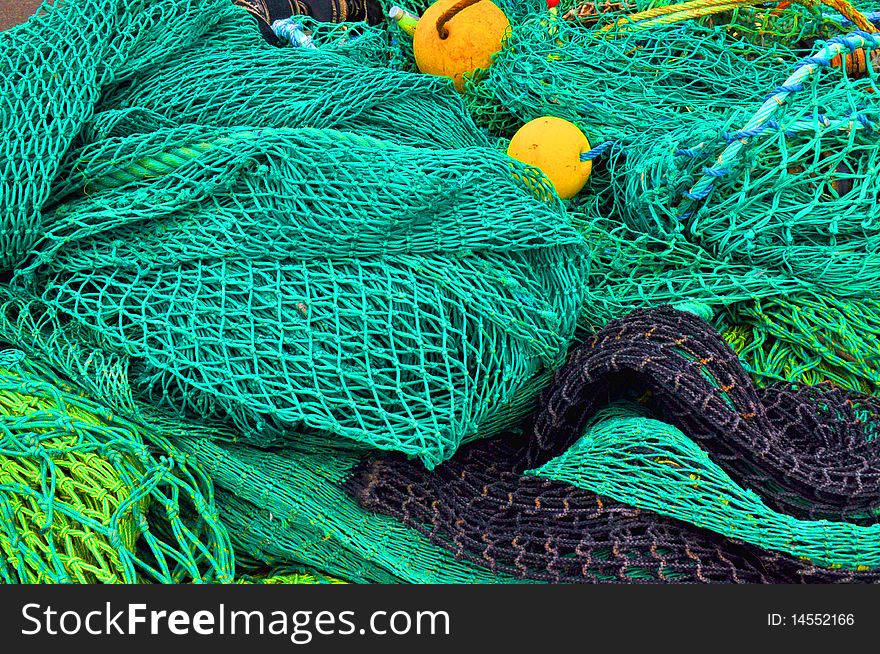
x,y
808,450
530,528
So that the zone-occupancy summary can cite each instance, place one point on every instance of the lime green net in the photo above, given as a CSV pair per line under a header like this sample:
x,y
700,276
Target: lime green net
x,y
88,497
281,578
808,339
797,26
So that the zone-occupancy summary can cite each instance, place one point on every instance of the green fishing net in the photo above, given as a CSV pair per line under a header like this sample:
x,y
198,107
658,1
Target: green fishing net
x,y
320,251
383,325
617,85
781,238
259,267
365,44
784,232
807,338
54,70
798,198
282,578
285,507
232,78
797,26
87,496
648,464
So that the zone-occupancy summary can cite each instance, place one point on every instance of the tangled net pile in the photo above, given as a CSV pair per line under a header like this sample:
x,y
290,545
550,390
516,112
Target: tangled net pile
x,y
281,314
238,249
767,212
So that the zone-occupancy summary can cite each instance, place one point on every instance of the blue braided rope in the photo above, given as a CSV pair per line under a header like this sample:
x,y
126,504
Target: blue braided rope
x,y
598,151
786,88
757,130
287,29
761,120
853,121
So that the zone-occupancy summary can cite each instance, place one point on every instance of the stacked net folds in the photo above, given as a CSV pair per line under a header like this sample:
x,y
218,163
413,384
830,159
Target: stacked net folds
x,y
403,332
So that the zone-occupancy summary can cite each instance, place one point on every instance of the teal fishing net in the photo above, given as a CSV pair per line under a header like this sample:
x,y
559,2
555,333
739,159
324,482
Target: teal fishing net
x,y
285,507
618,85
630,457
319,251
779,235
232,78
792,191
773,214
260,267
55,68
282,508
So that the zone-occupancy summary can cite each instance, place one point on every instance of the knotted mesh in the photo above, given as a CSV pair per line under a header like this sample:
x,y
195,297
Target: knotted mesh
x,y
323,252
259,265
649,464
286,507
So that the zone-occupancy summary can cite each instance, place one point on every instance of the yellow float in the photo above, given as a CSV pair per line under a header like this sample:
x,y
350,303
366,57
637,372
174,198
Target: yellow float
x,y
554,146
456,37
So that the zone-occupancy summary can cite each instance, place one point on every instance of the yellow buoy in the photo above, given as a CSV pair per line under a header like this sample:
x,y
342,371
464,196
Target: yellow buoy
x,y
456,37
554,146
